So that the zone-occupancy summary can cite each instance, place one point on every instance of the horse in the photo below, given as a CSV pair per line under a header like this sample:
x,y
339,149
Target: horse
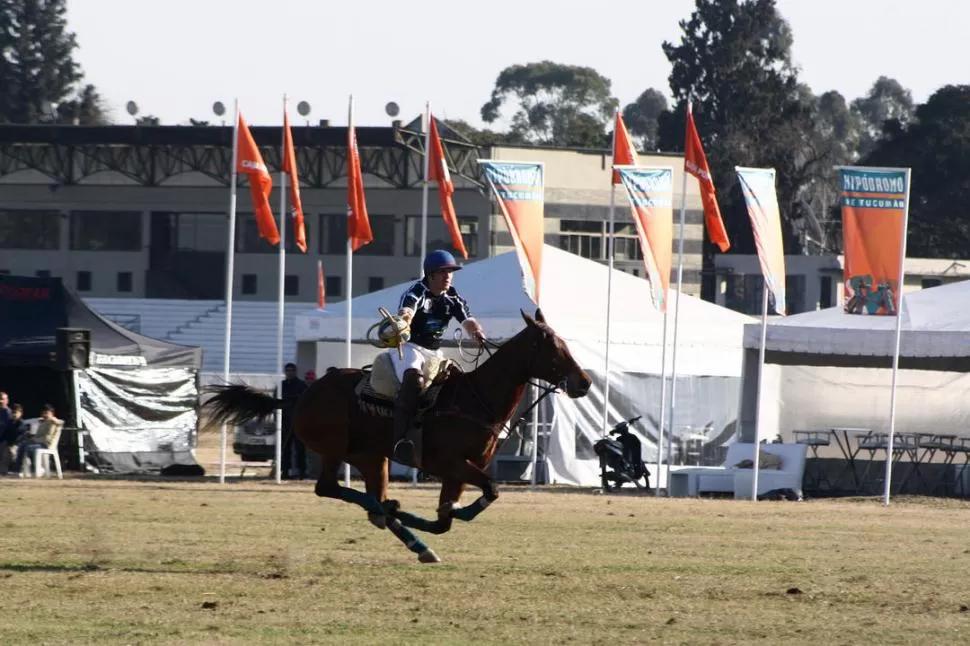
x,y
460,429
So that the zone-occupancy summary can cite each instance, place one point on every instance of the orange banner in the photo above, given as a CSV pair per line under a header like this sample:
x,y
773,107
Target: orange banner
x,y
874,203
438,172
290,168
358,224
651,197
250,162
519,188
695,163
321,287
624,154
758,187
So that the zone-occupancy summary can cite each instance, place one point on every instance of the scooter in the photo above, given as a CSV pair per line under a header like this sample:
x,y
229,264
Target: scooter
x,y
620,458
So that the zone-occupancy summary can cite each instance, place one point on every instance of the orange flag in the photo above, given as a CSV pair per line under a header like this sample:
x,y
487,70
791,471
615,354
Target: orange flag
x,y
289,167
695,163
438,172
624,154
250,162
321,289
358,224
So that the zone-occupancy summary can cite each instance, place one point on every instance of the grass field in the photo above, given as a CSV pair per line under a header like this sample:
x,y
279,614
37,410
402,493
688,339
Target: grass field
x,y
110,562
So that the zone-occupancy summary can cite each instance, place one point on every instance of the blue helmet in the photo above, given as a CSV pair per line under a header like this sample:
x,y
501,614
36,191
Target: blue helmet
x,y
439,259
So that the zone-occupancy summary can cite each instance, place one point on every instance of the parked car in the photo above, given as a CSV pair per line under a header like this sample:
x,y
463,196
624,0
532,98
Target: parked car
x,y
255,441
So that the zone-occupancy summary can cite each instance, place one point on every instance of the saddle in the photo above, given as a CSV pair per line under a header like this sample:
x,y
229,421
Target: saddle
x,y
377,391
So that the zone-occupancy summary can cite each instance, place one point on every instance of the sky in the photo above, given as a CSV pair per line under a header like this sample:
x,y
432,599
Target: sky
x,y
175,58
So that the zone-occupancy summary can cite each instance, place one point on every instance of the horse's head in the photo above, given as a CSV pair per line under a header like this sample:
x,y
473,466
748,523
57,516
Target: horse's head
x,y
552,360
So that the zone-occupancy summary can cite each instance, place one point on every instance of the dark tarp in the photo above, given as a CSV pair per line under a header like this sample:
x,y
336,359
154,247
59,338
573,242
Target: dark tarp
x,y
138,399
31,310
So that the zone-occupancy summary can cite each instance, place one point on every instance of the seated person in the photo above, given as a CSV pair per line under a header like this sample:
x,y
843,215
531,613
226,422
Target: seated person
x,y
11,435
45,436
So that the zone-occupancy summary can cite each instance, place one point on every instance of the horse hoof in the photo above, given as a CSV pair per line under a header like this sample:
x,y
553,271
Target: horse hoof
x,y
380,522
428,556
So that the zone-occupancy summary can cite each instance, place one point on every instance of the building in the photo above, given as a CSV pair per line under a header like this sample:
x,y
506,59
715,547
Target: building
x,y
141,211
815,282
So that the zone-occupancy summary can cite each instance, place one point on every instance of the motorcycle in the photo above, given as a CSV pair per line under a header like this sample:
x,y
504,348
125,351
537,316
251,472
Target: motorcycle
x,y
620,458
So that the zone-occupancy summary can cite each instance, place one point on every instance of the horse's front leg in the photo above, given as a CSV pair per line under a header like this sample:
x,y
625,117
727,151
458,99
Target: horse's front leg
x,y
450,493
470,473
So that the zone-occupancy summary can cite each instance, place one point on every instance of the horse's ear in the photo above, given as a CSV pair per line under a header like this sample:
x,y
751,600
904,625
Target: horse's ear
x,y
539,317
528,319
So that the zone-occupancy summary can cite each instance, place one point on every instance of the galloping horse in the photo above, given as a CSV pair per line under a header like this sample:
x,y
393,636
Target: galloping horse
x,y
460,431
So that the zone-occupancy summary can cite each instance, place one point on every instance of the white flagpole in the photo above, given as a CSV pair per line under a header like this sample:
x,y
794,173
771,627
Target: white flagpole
x,y
663,398
899,329
280,310
761,388
424,187
534,458
680,282
230,269
350,266
609,282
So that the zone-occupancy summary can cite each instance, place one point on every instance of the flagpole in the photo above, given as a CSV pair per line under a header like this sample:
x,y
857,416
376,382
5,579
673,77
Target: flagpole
x,y
663,397
680,294
350,267
899,330
609,280
280,310
424,187
230,268
761,388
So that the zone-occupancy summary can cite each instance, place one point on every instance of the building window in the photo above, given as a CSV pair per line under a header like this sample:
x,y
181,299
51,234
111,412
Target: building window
x,y
249,284
626,242
200,231
794,293
438,235
24,229
825,295
43,273
248,239
375,283
84,281
106,230
582,237
382,226
333,286
930,282
124,281
291,285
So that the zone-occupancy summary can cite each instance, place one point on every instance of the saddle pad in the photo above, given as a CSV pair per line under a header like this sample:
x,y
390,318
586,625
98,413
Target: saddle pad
x,y
384,382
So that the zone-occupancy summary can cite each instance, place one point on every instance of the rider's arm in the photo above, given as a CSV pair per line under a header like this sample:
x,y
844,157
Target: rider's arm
x,y
461,312
409,303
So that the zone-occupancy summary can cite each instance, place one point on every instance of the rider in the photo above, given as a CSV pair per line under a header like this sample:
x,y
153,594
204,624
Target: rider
x,y
427,306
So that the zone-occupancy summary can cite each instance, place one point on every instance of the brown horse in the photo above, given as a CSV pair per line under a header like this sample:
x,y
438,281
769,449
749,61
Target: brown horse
x,y
460,432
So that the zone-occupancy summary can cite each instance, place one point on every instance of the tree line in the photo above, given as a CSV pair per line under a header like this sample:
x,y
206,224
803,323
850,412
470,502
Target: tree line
x,y
732,61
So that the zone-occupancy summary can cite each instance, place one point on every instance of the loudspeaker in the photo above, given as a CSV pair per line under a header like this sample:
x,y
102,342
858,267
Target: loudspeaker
x,y
73,348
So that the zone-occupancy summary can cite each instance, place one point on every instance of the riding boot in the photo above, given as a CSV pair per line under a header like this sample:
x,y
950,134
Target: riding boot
x,y
404,410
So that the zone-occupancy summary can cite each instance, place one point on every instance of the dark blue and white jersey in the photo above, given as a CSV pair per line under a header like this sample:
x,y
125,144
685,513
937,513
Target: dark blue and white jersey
x,y
432,314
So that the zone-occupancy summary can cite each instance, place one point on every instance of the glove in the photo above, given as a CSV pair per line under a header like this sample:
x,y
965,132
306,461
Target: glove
x,y
394,331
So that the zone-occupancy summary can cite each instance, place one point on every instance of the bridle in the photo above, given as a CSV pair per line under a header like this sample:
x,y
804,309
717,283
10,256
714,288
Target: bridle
x,y
485,347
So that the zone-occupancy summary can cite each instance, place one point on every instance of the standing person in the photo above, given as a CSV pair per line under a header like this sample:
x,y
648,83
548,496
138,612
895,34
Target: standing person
x,y
293,452
4,410
427,307
11,434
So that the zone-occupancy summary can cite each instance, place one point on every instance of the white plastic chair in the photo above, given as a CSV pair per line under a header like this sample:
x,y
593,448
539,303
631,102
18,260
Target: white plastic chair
x,y
50,455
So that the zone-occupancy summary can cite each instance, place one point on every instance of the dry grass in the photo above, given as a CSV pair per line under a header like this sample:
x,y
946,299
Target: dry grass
x,y
108,562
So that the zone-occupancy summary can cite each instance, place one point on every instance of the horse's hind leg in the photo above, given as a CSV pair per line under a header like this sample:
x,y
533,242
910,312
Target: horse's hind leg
x,y
328,486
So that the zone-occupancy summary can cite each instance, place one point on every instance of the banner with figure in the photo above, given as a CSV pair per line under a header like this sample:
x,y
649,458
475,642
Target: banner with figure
x,y
519,188
651,199
758,187
874,203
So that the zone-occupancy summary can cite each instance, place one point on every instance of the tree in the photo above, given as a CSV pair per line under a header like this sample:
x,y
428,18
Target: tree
x,y
484,137
887,103
558,105
37,68
936,146
641,117
734,61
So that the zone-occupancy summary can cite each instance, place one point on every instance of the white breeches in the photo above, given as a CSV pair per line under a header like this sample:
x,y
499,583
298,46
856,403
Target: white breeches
x,y
414,357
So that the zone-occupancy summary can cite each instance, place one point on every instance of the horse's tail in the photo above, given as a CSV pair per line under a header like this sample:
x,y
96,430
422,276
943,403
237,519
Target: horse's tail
x,y
237,404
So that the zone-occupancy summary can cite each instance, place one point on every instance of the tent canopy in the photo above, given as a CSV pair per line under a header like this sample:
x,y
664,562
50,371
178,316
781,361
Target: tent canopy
x,y
31,310
574,302
935,334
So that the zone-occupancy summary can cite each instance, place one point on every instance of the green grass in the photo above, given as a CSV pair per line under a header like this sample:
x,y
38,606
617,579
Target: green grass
x,y
111,562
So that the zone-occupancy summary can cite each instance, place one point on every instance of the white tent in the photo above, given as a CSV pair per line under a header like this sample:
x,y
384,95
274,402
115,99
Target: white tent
x,y
573,300
835,368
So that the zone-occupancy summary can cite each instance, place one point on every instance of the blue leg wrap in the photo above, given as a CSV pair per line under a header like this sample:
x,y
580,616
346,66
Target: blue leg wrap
x,y
471,511
403,534
365,500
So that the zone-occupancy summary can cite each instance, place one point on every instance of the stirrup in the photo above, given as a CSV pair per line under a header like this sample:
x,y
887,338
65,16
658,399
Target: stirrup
x,y
404,452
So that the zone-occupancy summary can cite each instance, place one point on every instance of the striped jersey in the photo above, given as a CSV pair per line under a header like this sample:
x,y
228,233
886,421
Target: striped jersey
x,y
432,313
